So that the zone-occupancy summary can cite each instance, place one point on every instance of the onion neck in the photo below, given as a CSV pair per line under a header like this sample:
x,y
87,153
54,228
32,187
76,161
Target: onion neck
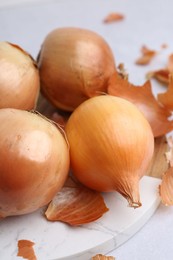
x,y
134,203
129,189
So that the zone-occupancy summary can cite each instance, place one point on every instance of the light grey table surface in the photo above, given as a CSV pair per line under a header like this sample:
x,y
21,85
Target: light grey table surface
x,y
27,22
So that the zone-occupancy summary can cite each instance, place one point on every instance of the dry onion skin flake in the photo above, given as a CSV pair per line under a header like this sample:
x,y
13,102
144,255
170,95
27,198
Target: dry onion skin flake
x,y
19,78
75,204
166,186
34,161
102,257
166,98
74,64
25,249
113,17
146,56
142,96
111,145
162,75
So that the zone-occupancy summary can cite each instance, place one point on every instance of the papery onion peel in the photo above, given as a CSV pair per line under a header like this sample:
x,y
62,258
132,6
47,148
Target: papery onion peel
x,y
102,257
76,205
166,98
113,17
143,98
162,75
166,187
169,153
25,249
146,56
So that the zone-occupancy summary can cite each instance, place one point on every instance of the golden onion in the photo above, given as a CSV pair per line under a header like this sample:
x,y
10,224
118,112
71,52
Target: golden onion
x,y
19,78
111,145
34,161
74,64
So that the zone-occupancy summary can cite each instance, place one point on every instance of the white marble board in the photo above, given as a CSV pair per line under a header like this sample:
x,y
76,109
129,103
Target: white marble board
x,y
56,240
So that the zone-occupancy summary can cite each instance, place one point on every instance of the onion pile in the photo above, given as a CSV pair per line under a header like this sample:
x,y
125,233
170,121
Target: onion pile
x,y
34,161
19,78
111,145
74,64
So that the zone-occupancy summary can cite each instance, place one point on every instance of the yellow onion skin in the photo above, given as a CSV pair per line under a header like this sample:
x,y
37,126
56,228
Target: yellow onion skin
x,y
74,64
34,161
19,78
111,145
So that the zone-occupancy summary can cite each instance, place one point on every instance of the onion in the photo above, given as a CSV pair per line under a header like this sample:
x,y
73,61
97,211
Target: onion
x,y
111,145
75,64
34,161
19,78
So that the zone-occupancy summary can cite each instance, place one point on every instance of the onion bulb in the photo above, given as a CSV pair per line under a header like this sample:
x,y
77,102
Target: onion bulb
x,y
34,161
74,64
111,145
19,78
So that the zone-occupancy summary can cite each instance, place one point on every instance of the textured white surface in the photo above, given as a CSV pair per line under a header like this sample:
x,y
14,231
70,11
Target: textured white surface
x,y
146,22
12,3
55,240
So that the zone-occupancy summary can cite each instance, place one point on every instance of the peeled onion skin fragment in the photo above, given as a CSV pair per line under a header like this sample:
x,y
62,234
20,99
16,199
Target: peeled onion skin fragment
x,y
25,249
166,98
113,17
143,98
162,75
76,205
166,188
146,56
169,153
102,257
